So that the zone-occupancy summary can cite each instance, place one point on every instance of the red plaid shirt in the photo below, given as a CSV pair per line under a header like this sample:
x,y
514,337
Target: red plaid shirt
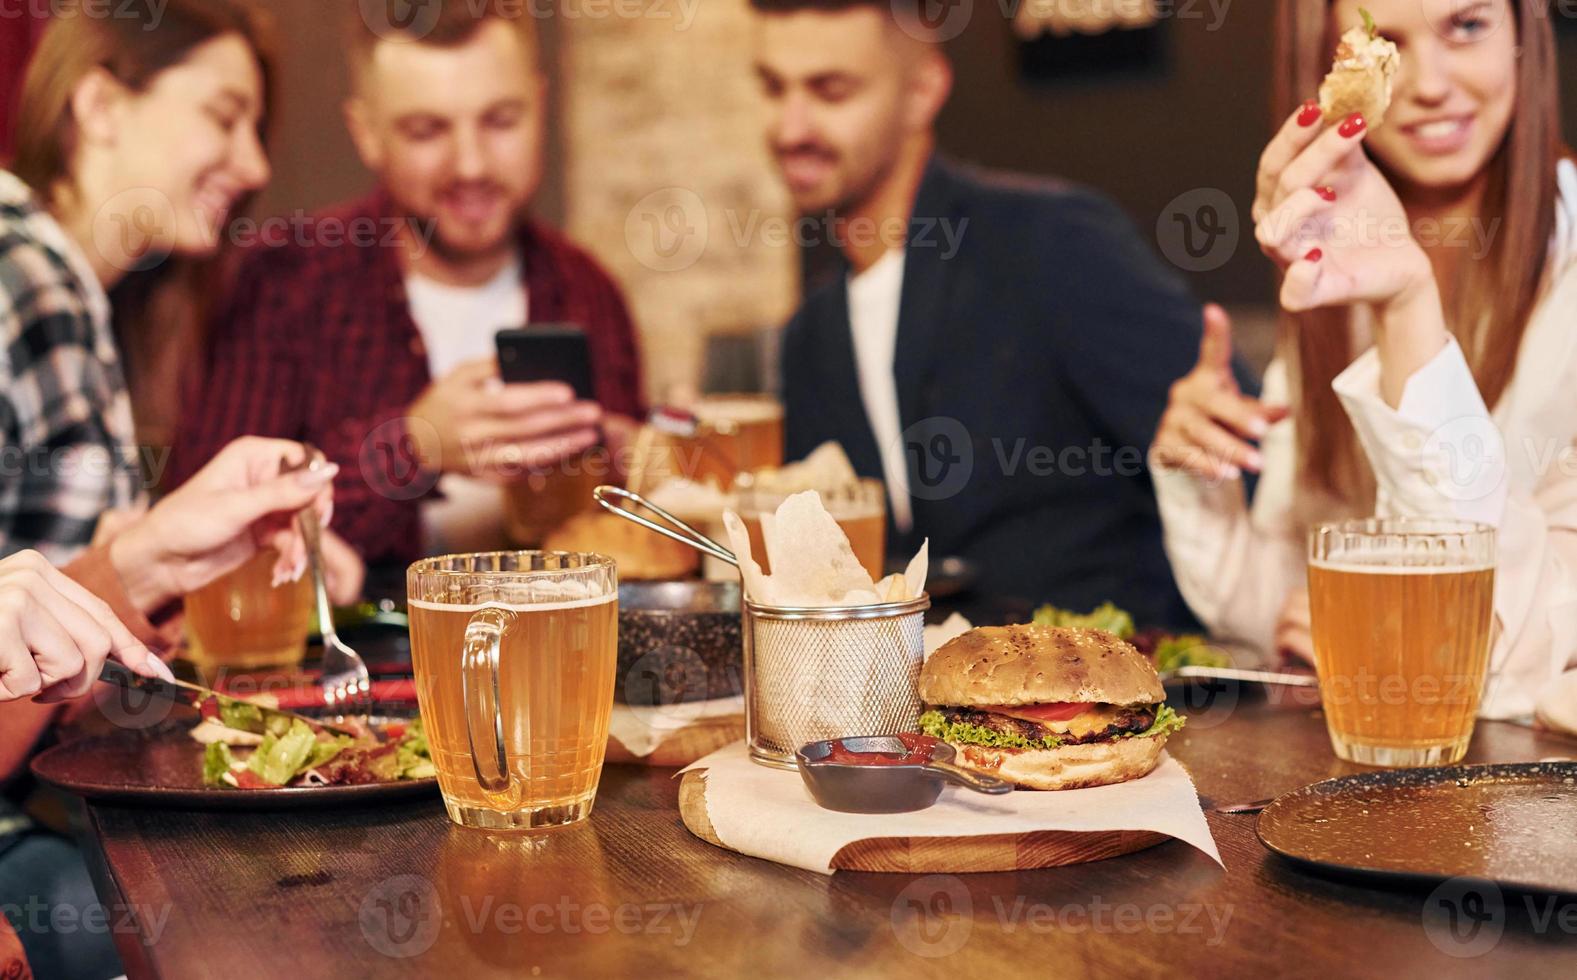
x,y
316,342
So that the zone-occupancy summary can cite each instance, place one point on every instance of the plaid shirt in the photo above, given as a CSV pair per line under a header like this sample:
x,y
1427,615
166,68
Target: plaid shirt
x,y
67,443
317,343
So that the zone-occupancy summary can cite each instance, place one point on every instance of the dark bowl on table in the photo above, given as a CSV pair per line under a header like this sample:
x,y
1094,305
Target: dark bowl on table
x,y
678,642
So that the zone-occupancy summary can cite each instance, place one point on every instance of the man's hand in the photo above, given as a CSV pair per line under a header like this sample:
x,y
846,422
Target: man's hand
x,y
478,426
235,506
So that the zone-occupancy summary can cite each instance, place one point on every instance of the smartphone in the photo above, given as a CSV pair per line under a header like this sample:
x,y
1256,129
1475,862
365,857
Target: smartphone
x,y
547,352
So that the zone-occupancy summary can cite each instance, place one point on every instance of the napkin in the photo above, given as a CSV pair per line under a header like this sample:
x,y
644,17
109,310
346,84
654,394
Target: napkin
x,y
641,728
812,562
768,813
826,468
938,634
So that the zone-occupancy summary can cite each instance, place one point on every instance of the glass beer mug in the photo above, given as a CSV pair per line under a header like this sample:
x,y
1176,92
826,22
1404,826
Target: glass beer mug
x,y
514,654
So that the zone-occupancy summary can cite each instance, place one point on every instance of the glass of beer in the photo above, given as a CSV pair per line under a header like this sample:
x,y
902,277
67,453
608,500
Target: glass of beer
x,y
539,503
242,622
859,508
734,434
1401,611
515,655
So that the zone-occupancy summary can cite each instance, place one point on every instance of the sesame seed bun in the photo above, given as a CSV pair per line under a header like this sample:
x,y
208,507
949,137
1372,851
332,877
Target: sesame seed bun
x,y
1012,665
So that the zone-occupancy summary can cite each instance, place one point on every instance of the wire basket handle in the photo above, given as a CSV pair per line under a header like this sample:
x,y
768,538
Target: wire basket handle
x,y
691,537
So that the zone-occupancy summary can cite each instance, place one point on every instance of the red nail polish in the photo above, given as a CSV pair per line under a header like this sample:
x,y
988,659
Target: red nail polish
x,y
1327,193
1309,114
1352,125
1314,255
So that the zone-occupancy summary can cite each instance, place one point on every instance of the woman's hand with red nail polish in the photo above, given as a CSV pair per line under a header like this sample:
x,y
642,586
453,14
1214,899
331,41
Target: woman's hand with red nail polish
x,y
1328,217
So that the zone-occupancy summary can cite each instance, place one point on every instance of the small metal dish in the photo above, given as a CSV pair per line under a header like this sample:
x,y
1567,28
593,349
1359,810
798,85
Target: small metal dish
x,y
854,787
678,642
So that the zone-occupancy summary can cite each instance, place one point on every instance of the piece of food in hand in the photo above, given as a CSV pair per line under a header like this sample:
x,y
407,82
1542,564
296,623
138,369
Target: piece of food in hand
x,y
638,553
1047,707
1361,79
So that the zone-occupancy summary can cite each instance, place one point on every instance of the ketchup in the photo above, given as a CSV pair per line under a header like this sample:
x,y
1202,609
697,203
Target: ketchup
x,y
919,752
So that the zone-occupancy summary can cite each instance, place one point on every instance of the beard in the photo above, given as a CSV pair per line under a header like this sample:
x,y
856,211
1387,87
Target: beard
x,y
846,189
428,225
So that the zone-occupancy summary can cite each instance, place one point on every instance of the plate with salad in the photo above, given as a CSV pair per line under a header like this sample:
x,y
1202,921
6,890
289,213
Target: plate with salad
x,y
240,757
1169,650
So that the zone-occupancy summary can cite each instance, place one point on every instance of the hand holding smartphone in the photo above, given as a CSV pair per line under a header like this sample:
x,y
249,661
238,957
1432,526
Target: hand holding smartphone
x,y
547,352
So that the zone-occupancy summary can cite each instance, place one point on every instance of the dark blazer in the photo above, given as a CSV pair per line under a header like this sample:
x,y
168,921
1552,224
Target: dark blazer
x,y
1032,367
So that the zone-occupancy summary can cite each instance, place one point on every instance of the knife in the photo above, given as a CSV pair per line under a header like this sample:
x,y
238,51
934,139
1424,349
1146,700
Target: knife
x,y
1239,674
195,696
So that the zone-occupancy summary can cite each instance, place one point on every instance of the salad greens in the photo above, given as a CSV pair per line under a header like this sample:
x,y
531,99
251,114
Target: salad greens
x,y
284,757
933,724
1106,617
1169,650
1166,722
1187,650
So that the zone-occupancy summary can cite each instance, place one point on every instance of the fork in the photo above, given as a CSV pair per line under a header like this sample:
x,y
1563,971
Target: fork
x,y
344,679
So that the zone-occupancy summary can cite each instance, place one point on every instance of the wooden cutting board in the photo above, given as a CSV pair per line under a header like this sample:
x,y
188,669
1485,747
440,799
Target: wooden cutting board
x,y
945,855
684,745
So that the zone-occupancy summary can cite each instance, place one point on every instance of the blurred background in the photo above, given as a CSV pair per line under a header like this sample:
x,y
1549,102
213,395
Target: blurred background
x,y
657,161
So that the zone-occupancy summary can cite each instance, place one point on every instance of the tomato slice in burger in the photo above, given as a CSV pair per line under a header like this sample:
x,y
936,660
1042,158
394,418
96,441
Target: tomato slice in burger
x,y
1054,711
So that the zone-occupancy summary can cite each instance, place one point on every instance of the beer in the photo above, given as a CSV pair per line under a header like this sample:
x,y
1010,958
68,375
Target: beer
x,y
242,622
738,434
867,537
555,632
538,504
734,434
860,510
1401,640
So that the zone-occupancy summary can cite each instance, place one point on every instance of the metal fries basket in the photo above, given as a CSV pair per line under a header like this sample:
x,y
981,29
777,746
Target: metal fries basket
x,y
814,673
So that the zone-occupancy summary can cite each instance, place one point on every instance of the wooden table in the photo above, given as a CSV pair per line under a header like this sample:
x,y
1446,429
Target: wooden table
x,y
397,891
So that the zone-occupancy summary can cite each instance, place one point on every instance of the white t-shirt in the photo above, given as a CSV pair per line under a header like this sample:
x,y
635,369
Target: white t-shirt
x,y
458,324
874,299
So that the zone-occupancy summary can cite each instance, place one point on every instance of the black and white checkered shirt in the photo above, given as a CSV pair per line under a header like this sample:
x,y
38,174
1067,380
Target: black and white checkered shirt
x,y
67,443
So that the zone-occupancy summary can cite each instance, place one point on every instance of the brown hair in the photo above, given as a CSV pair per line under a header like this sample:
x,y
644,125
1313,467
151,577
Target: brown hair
x,y
1496,296
451,23
134,46
159,314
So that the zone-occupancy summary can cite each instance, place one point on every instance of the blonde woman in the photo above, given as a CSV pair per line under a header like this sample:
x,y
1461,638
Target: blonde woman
x,y
1428,365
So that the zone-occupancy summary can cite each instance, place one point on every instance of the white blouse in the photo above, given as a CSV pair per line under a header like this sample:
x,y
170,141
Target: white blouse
x,y
1439,453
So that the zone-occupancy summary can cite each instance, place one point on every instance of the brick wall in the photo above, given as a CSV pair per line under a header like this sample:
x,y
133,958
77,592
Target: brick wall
x,y
666,178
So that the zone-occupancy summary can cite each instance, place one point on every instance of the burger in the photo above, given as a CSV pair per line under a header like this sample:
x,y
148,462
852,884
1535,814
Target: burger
x,y
1047,707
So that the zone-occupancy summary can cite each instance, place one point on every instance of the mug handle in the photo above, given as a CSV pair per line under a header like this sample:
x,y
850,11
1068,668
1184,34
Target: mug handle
x,y
479,688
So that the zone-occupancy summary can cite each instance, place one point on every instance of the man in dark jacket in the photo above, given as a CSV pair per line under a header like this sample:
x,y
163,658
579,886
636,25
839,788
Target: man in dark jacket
x,y
998,350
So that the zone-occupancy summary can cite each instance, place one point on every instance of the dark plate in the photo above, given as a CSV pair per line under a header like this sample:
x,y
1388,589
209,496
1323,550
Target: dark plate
x,y
1514,824
163,766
